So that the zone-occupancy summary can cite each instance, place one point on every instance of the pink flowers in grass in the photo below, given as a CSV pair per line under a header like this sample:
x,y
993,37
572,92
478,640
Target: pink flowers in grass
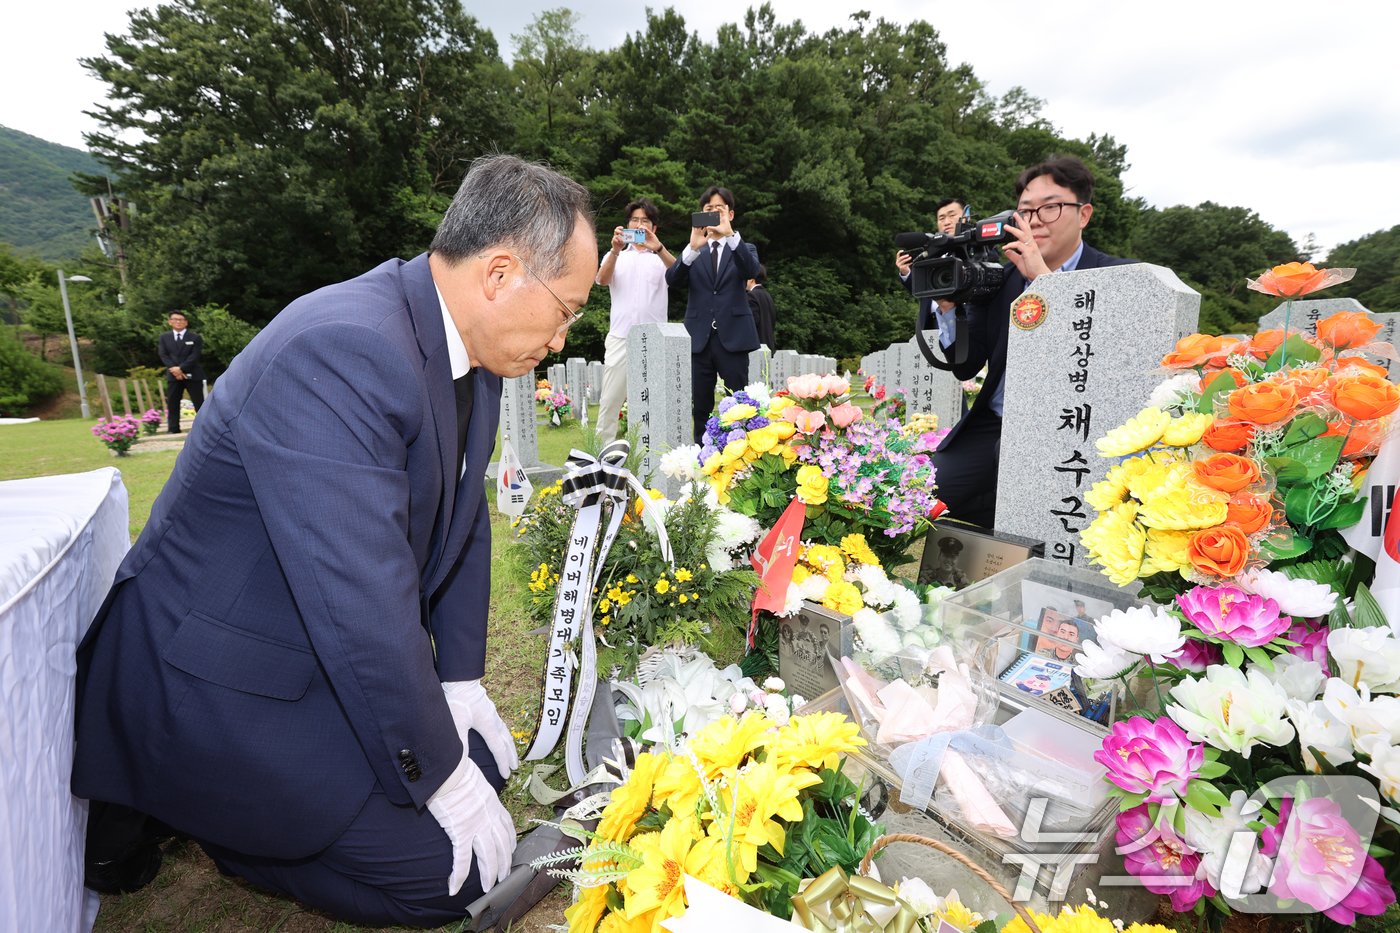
x,y
1152,758
1230,614
1322,863
117,433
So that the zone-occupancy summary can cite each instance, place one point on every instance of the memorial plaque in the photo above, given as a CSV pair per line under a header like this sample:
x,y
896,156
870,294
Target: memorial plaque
x,y
806,644
1082,364
1302,317
658,395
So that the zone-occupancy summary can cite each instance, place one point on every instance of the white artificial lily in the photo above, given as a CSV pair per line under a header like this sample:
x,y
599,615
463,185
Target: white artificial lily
x,y
1319,729
1212,836
1231,710
1142,630
1306,599
1369,656
1100,662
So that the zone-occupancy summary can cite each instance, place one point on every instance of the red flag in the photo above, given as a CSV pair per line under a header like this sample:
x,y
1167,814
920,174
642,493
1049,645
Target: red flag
x,y
774,560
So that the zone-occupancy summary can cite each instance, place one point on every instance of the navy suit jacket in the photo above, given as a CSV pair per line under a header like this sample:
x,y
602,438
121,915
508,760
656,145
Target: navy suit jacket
x,y
981,338
719,306
255,674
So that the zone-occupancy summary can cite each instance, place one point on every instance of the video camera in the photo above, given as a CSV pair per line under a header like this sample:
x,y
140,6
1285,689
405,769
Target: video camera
x,y
958,267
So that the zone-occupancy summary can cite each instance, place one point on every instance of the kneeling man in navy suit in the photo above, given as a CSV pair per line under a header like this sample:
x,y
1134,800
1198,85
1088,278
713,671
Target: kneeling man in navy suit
x,y
294,681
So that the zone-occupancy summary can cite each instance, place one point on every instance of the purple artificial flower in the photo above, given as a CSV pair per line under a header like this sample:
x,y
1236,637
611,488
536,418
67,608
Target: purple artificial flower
x,y
1194,656
758,421
1322,863
1161,859
1152,758
1310,636
712,425
738,434
1230,614
727,403
706,452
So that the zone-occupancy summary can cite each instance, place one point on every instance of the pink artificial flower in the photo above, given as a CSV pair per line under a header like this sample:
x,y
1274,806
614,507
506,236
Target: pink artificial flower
x,y
1194,656
806,386
1152,758
1230,614
1311,638
869,381
878,394
1161,860
845,414
1322,863
835,385
808,422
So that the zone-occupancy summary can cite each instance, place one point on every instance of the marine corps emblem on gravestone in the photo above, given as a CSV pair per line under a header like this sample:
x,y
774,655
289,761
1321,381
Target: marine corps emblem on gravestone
x,y
1028,312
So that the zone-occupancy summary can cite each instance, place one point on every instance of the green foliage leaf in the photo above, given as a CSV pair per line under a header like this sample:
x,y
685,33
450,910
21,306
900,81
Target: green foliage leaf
x,y
1293,349
1222,382
1369,613
1287,469
1213,769
1318,456
1304,427
1286,544
1198,797
1345,515
1234,654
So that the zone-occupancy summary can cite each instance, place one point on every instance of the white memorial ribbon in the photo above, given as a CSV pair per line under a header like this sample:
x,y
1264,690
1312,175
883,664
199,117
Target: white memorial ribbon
x,y
587,484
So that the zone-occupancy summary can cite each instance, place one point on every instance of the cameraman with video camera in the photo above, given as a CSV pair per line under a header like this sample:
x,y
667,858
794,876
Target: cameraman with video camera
x,y
1053,206
946,215
634,272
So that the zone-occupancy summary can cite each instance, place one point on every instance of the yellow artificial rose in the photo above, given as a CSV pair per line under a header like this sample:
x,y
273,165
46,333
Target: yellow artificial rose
x,y
740,412
784,429
787,453
811,485
732,451
764,439
777,404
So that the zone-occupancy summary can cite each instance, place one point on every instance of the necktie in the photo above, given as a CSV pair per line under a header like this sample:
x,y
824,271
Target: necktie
x,y
465,391
714,252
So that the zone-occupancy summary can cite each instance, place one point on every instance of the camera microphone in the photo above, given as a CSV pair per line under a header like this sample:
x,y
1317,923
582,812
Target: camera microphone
x,y
909,242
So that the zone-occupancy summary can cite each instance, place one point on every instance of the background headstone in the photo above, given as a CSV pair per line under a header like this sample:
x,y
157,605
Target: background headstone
x,y
1304,315
784,365
896,361
760,364
658,395
1087,366
575,375
518,418
556,377
595,382
933,390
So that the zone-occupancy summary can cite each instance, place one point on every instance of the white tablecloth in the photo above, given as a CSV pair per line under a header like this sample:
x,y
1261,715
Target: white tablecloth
x,y
61,539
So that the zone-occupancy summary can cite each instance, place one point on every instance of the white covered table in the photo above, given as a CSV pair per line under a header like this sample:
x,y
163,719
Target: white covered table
x,y
61,539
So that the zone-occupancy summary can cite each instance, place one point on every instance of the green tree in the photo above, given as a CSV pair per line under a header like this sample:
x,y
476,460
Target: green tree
x,y
1376,259
224,335
278,145
24,379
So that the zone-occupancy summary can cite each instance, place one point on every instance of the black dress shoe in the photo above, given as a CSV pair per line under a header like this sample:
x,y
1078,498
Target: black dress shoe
x,y
122,876
176,431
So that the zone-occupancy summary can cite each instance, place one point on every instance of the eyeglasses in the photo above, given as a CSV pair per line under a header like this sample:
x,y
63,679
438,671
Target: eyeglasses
x,y
570,317
1048,213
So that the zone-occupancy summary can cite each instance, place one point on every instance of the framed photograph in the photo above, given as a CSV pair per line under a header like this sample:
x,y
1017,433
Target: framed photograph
x,y
956,555
806,643
1057,621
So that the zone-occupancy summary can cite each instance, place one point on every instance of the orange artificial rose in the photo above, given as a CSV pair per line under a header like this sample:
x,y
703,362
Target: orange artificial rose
x,y
1361,365
1263,402
1220,551
1364,397
1309,384
1347,329
1229,436
1226,472
1363,439
1250,513
1264,343
1195,350
1291,280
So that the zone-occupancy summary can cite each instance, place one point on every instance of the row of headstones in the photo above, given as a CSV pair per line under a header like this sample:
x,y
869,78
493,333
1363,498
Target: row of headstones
x,y
577,377
775,367
1085,362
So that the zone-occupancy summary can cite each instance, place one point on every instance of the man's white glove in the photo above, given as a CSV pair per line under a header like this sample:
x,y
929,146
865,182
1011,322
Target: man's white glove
x,y
471,814
473,710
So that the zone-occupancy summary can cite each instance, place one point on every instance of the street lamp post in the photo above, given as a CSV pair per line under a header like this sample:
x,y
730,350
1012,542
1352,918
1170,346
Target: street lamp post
x,y
72,338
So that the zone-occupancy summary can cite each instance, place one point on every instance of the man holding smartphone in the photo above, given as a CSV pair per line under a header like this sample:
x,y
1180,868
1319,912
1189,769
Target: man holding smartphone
x,y
715,266
1053,206
634,272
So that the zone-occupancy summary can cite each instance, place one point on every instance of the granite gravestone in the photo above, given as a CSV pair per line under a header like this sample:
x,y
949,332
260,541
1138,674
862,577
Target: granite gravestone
x,y
896,375
760,361
557,379
518,419
934,390
595,382
658,395
784,366
575,375
1302,317
1081,359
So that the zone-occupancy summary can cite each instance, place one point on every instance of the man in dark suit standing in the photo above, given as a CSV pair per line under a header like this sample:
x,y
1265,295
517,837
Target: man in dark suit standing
x,y
715,266
180,350
1053,202
946,214
761,304
294,680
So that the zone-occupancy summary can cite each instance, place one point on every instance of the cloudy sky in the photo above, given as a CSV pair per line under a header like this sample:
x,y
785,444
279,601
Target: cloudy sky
x,y
1291,109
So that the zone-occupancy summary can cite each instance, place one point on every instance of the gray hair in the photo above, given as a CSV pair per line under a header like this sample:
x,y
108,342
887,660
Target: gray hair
x,y
506,201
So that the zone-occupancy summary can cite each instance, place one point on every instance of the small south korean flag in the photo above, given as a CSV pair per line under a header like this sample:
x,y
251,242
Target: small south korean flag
x,y
513,488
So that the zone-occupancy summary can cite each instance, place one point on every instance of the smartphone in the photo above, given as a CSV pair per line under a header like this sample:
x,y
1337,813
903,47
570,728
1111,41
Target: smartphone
x,y
704,219
638,236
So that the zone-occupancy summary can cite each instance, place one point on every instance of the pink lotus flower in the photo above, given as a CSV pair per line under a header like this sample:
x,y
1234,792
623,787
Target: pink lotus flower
x,y
1161,859
1311,638
1152,758
808,422
845,415
1322,863
1193,656
807,386
835,385
1230,614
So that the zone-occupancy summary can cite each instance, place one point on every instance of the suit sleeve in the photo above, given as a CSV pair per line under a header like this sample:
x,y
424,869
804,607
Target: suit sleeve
x,y
167,358
324,436
746,260
678,274
460,608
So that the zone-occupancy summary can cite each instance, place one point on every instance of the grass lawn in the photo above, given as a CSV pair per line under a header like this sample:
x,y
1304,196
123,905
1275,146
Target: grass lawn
x,y
189,894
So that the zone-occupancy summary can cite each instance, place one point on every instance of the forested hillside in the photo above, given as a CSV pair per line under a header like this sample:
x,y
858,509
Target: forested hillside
x,y
40,212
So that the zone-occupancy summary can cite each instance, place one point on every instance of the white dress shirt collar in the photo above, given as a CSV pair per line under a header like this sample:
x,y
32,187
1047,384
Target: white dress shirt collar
x,y
456,349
